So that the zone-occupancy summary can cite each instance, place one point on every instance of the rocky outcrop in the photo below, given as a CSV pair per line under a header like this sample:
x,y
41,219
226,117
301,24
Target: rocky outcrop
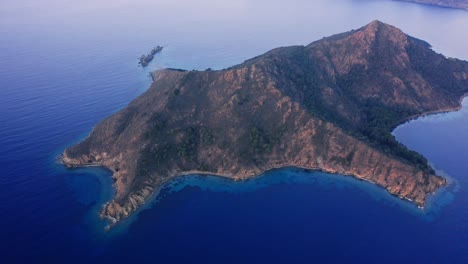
x,y
328,106
146,59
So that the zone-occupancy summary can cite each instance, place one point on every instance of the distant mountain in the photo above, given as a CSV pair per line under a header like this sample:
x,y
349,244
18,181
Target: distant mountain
x,y
329,106
461,4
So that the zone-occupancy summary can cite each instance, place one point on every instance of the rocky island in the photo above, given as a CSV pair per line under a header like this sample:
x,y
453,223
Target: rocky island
x,y
460,4
146,59
330,106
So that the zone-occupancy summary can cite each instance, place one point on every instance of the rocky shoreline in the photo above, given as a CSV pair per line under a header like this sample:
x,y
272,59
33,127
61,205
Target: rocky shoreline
x,y
112,221
246,175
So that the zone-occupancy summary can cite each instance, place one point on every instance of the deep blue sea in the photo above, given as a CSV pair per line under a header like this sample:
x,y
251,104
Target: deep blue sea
x,y
66,65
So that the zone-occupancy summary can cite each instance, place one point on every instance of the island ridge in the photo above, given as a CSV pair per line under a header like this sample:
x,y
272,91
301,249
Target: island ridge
x,y
330,106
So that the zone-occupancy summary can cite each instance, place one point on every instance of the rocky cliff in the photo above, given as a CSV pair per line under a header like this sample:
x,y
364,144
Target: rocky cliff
x,y
329,106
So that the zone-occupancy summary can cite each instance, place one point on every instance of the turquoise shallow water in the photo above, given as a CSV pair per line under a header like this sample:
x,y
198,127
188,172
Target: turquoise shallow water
x,y
67,65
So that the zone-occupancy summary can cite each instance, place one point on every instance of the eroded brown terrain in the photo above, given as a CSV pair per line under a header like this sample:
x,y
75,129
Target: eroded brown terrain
x,y
330,106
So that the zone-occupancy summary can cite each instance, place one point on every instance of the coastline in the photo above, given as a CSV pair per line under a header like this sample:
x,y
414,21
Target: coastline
x,y
112,222
434,5
376,191
435,112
